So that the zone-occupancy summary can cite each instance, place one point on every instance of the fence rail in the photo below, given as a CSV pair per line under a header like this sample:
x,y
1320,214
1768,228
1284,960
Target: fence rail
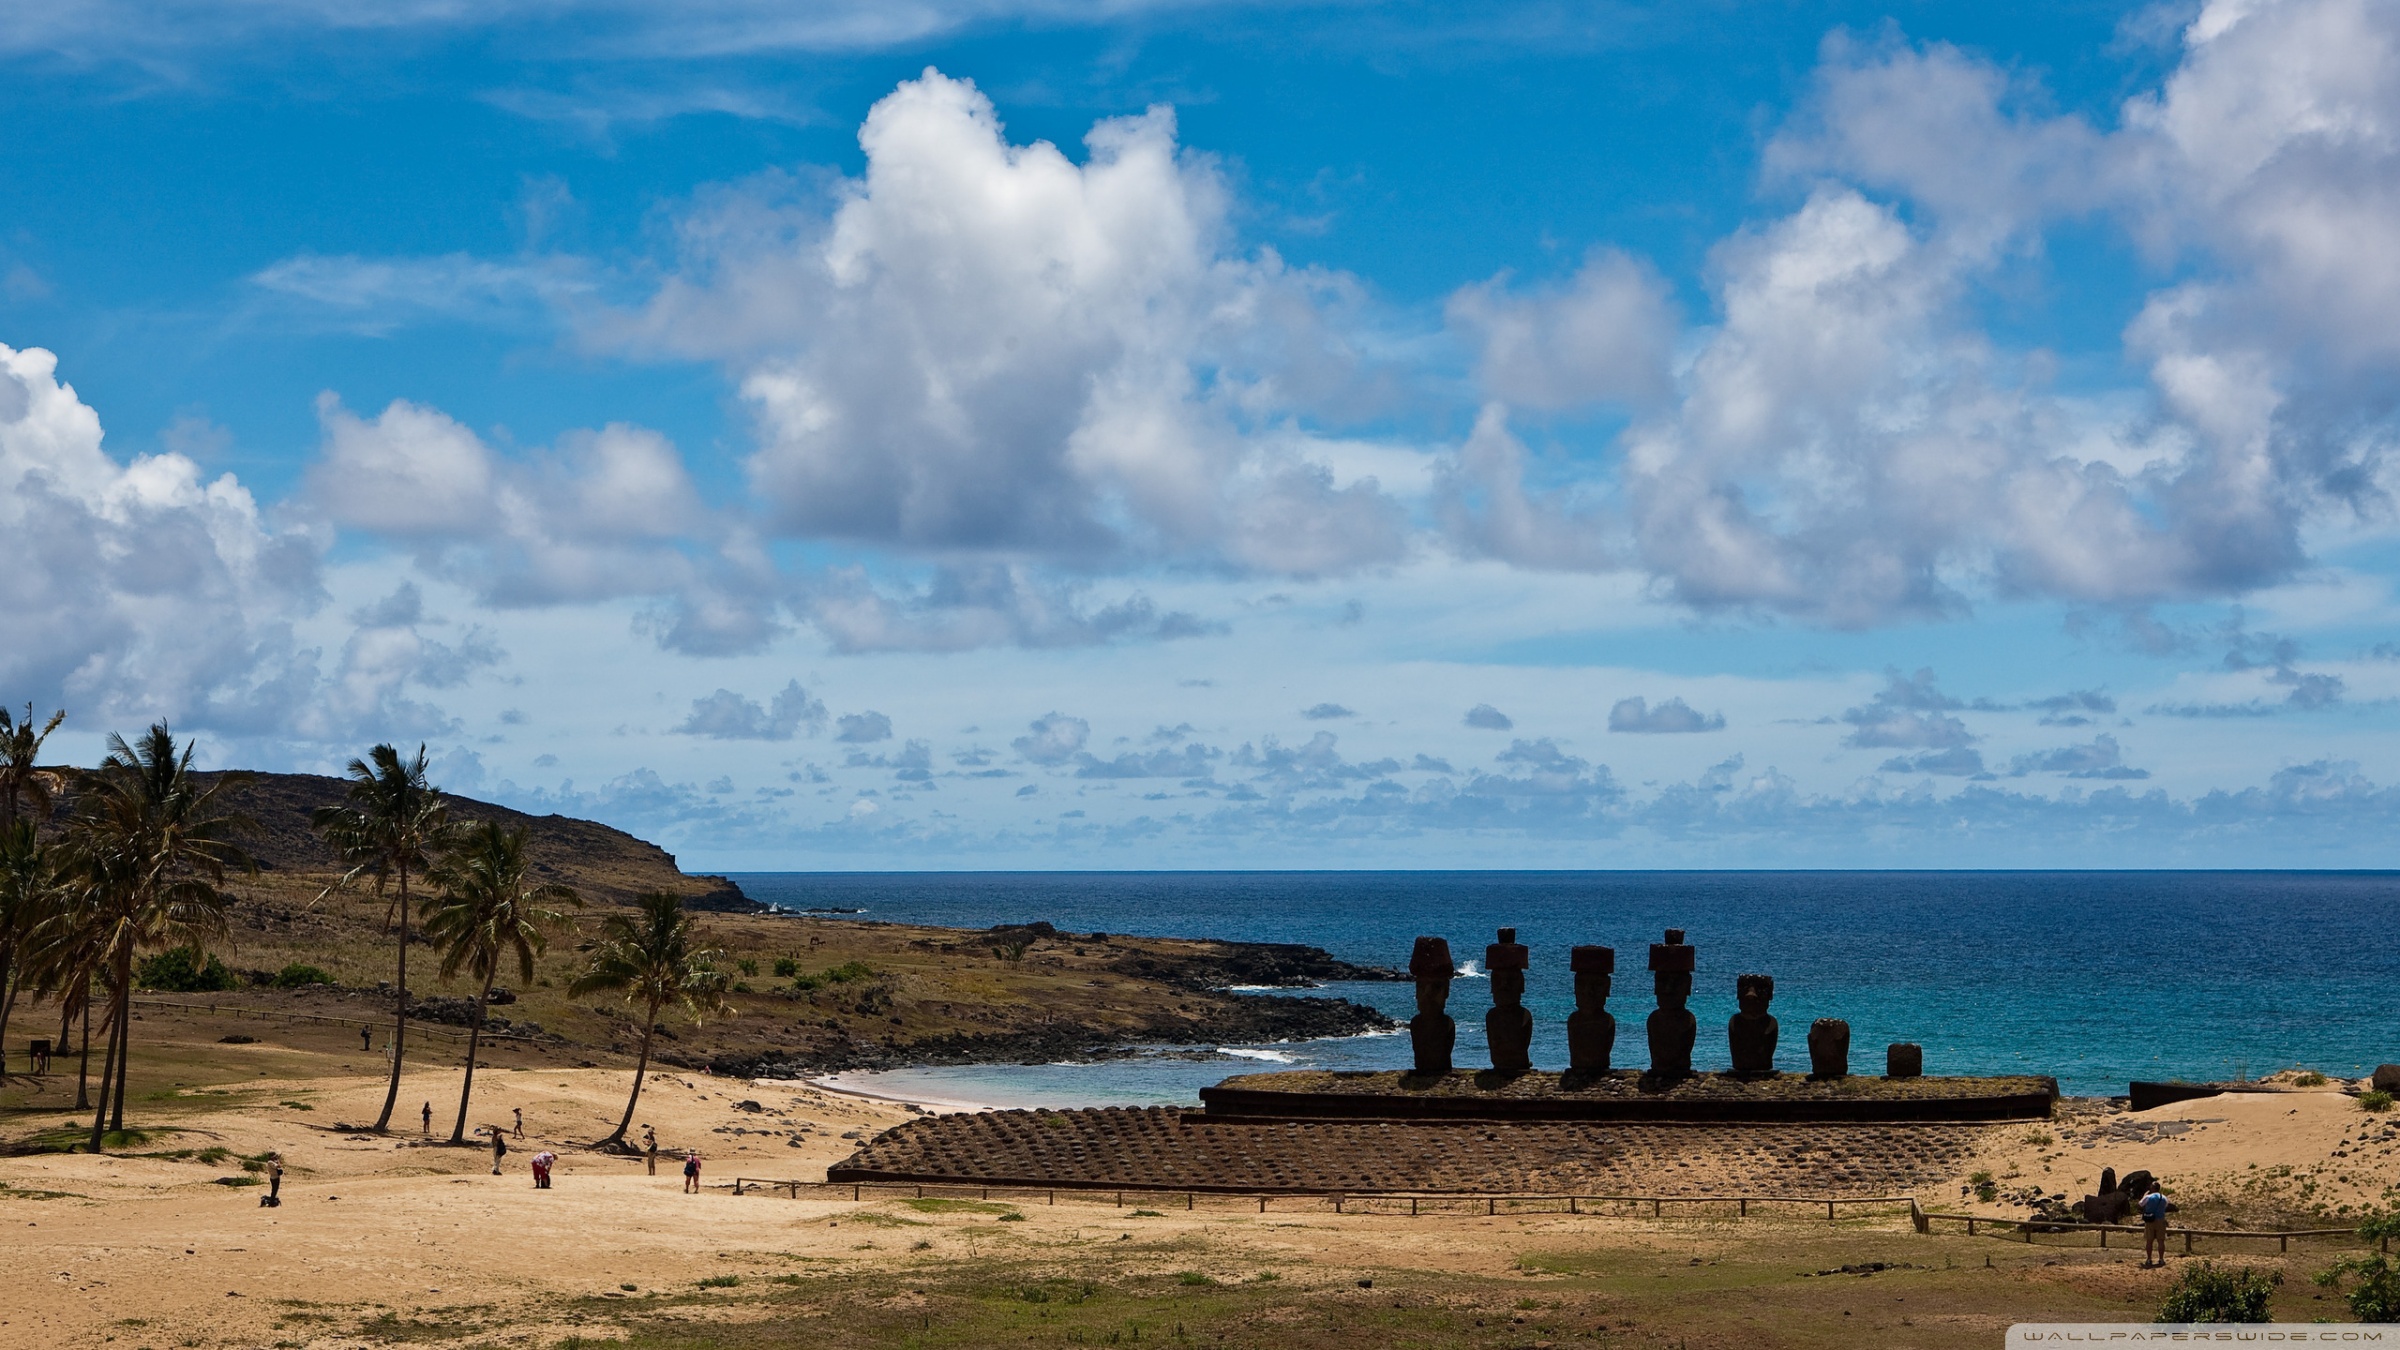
x,y
1343,1202
2026,1228
1420,1202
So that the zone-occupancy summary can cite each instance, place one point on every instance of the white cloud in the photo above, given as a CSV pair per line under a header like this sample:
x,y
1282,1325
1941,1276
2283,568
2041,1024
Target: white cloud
x,y
990,347
1669,717
1054,738
727,715
141,589
1604,336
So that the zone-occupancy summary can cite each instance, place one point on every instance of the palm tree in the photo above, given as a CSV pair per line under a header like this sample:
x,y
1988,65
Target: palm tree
x,y
148,849
28,888
393,822
649,957
489,912
22,781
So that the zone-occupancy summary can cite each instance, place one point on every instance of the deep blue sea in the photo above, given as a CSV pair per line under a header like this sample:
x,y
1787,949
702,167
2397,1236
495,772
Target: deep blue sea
x,y
2097,978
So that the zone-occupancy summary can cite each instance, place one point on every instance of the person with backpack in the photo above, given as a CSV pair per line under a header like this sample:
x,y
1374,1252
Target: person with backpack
x,y
2154,1227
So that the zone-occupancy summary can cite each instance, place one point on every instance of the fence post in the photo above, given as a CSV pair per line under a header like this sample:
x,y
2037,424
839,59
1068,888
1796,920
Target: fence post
x,y
1970,1225
2104,1238
2283,1242
1262,1204
1412,1206
1571,1206
854,1190
1188,1199
2028,1232
2187,1242
1829,1211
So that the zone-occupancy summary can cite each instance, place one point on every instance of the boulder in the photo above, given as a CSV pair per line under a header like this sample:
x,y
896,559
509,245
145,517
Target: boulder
x,y
2387,1078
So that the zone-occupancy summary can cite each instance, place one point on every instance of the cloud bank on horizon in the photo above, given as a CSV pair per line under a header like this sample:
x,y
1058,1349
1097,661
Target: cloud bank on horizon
x,y
2004,481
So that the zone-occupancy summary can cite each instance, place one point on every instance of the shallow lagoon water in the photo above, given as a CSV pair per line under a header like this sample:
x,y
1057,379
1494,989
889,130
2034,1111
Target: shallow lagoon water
x,y
2095,977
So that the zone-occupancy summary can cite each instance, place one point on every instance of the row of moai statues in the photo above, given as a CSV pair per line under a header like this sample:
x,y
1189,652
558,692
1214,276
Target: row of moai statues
x,y
1592,1032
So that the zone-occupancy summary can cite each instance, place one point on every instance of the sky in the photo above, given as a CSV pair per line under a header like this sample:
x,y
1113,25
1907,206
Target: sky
x,y
1198,433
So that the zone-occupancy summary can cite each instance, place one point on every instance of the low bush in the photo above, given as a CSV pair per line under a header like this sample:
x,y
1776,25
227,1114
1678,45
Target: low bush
x,y
2376,1295
183,970
299,974
720,1281
2375,1101
2208,1293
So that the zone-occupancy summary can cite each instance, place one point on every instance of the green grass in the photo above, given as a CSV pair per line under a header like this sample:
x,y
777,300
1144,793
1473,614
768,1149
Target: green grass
x,y
942,1204
720,1281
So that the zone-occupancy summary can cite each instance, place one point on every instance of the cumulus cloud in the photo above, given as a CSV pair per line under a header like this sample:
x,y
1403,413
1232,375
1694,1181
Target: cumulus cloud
x,y
727,715
964,606
1674,715
863,727
1956,762
141,589
1326,712
988,346
1605,335
1485,717
2102,758
1054,738
1910,713
2072,709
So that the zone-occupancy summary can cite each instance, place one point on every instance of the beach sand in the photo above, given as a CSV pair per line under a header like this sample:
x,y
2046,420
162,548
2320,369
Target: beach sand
x,y
133,1251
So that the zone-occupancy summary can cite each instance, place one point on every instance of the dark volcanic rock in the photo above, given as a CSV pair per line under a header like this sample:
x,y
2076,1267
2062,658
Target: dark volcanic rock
x,y
1238,1018
1265,964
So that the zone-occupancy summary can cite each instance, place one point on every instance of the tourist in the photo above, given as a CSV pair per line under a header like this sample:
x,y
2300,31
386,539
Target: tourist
x,y
499,1146
691,1172
427,1114
366,1040
273,1199
2154,1228
542,1162
650,1148
520,1121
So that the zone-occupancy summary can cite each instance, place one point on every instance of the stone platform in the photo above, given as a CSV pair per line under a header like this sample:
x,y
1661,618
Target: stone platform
x,y
1168,1149
1625,1096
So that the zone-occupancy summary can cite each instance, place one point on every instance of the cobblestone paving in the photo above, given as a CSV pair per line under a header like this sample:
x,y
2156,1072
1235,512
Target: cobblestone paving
x,y
1163,1147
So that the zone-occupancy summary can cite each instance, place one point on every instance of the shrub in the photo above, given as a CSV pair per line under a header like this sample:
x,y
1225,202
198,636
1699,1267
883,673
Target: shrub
x,y
2377,1297
2375,1101
1986,1189
300,973
2205,1293
748,966
720,1281
2308,1078
848,971
1193,1277
182,970
786,967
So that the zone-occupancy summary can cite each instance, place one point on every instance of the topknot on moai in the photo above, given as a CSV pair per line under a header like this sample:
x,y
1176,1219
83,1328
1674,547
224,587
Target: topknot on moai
x,y
1672,1027
1509,1025
1431,1033
1591,1032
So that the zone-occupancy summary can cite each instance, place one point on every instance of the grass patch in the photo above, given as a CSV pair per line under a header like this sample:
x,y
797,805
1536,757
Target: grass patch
x,y
2309,1078
1194,1279
721,1282
1147,1214
244,1180
942,1204
2375,1101
875,1220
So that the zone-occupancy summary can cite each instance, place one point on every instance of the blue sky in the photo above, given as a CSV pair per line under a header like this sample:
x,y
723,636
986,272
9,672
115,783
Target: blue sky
x,y
986,433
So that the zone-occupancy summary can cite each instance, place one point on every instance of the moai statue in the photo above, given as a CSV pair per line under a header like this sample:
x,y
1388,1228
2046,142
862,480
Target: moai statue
x,y
1829,1048
1591,1032
1904,1060
1431,1033
1508,1026
1672,1028
1751,1032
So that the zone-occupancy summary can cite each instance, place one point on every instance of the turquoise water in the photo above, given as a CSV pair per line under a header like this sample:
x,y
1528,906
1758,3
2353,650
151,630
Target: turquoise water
x,y
2095,977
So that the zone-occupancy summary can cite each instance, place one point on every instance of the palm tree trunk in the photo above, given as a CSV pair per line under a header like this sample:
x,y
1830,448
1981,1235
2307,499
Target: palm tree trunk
x,y
108,1069
124,1038
458,1132
9,982
83,1066
649,1025
391,1094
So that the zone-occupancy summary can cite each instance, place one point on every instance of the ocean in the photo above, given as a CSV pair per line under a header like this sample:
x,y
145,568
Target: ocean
x,y
2097,978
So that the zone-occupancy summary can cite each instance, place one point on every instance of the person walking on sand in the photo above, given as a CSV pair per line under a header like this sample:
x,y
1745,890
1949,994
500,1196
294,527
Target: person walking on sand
x,y
650,1148
274,1196
691,1172
2154,1227
499,1147
520,1121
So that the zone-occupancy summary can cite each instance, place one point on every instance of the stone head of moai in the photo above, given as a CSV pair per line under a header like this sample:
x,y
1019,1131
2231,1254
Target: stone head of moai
x,y
1429,965
1507,960
1671,967
1753,993
1595,969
